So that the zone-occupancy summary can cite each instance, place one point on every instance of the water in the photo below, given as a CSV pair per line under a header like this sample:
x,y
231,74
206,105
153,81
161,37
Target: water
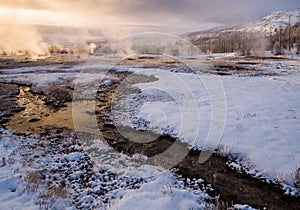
x,y
37,115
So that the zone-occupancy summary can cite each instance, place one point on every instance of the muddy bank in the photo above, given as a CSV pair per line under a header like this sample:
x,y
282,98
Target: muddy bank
x,y
236,186
233,186
8,102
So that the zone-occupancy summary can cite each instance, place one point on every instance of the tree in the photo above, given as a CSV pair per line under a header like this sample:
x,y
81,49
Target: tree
x,y
298,43
278,49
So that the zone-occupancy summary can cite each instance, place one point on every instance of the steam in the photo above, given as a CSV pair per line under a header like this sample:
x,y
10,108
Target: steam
x,y
19,37
93,47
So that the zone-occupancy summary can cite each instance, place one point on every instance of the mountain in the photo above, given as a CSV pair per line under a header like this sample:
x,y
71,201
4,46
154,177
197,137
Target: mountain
x,y
252,36
278,19
268,24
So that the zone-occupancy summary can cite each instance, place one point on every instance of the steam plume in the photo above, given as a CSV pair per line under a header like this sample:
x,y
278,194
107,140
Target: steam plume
x,y
16,36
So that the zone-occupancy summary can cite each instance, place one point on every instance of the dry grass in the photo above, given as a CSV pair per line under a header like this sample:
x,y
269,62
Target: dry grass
x,y
55,192
150,60
217,204
225,150
48,197
224,62
6,93
59,94
2,104
33,179
8,89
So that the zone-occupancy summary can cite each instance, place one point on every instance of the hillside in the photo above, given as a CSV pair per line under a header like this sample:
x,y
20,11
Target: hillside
x,y
274,20
267,24
263,33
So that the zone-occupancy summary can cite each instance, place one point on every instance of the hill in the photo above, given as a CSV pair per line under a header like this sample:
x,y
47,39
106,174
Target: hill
x,y
280,28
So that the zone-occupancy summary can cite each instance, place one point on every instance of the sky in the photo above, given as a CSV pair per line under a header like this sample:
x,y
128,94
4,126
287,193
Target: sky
x,y
21,20
173,16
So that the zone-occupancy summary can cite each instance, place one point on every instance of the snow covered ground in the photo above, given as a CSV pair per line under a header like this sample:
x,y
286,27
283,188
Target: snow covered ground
x,y
35,170
261,130
262,118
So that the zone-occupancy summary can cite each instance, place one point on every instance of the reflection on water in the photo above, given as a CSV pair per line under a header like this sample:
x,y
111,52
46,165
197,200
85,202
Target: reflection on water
x,y
84,118
37,116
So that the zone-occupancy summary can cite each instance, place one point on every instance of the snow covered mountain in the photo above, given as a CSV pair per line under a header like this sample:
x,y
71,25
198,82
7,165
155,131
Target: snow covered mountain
x,y
251,36
274,20
268,24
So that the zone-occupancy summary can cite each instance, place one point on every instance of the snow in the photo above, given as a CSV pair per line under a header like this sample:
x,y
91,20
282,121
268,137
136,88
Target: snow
x,y
243,207
263,123
262,117
73,156
262,129
12,194
110,181
160,193
42,76
274,20
106,83
266,25
181,91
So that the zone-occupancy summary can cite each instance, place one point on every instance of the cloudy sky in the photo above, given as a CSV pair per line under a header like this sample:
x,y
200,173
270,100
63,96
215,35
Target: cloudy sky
x,y
173,16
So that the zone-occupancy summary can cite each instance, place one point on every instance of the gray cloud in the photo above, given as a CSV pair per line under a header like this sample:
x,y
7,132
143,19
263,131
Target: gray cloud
x,y
224,11
119,17
162,11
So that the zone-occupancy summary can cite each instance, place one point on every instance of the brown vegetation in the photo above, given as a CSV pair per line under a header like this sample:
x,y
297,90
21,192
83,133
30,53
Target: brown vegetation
x,y
57,96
